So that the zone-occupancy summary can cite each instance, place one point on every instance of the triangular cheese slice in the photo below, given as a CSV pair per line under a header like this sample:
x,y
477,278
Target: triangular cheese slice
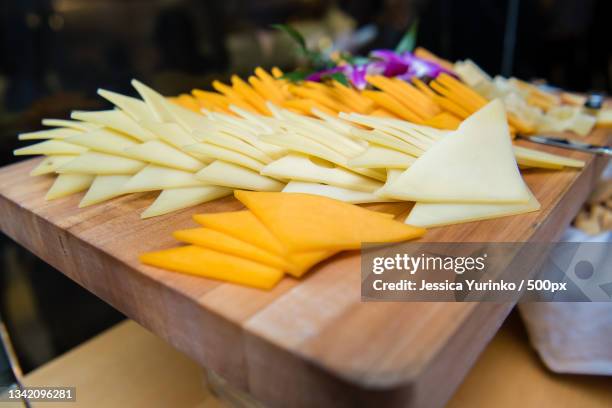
x,y
170,133
105,141
243,225
219,241
337,193
536,158
161,153
476,164
188,119
226,174
70,124
50,164
207,150
103,188
117,120
378,157
429,215
101,163
59,133
50,147
234,143
315,170
304,222
178,198
67,184
135,108
154,178
212,264
154,100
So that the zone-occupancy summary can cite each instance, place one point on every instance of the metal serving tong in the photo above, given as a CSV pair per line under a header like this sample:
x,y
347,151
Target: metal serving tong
x,y
568,144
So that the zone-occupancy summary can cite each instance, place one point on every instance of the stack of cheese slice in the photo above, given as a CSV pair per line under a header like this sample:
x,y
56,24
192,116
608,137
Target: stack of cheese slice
x,y
278,234
152,144
468,175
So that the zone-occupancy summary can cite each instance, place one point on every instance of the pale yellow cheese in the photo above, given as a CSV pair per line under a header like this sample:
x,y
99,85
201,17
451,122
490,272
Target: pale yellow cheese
x,y
337,193
58,133
67,184
154,100
381,157
117,120
171,133
135,108
50,164
103,188
101,163
153,178
70,124
303,168
476,164
105,141
207,150
50,147
536,158
161,153
178,198
429,215
231,175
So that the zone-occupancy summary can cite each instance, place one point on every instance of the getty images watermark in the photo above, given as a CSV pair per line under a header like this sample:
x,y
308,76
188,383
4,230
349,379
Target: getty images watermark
x,y
495,272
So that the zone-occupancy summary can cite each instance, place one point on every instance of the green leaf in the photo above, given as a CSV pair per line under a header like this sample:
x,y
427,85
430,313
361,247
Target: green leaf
x,y
408,41
296,76
338,76
294,34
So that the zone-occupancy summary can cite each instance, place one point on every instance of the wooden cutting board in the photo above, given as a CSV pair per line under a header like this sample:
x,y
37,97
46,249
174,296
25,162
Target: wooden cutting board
x,y
305,343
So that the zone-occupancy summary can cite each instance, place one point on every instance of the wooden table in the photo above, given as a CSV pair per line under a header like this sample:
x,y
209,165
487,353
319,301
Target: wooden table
x,y
305,343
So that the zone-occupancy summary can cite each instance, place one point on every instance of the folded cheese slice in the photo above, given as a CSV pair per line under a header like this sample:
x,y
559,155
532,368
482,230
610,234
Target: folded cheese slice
x,y
475,164
429,215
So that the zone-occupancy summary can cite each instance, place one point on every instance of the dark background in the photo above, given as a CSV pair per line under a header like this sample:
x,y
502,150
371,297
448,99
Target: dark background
x,y
55,54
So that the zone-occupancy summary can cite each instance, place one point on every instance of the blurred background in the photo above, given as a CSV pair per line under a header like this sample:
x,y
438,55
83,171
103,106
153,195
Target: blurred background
x,y
55,54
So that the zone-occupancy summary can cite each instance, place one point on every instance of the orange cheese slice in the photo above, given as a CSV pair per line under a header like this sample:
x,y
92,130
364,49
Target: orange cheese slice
x,y
212,264
244,226
305,222
219,241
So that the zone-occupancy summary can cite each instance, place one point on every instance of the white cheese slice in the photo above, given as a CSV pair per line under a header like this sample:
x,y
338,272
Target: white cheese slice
x,y
70,124
386,140
338,193
67,184
171,133
105,141
438,214
161,153
303,168
137,109
236,144
226,174
381,157
536,158
179,198
154,178
50,147
117,120
59,133
101,163
476,164
154,100
207,150
103,188
50,164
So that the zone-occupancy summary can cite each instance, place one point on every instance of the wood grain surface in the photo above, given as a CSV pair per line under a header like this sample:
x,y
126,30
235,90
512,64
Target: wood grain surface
x,y
304,343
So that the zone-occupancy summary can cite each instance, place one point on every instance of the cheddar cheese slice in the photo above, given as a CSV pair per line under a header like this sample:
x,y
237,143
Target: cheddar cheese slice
x,y
305,222
213,264
219,241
